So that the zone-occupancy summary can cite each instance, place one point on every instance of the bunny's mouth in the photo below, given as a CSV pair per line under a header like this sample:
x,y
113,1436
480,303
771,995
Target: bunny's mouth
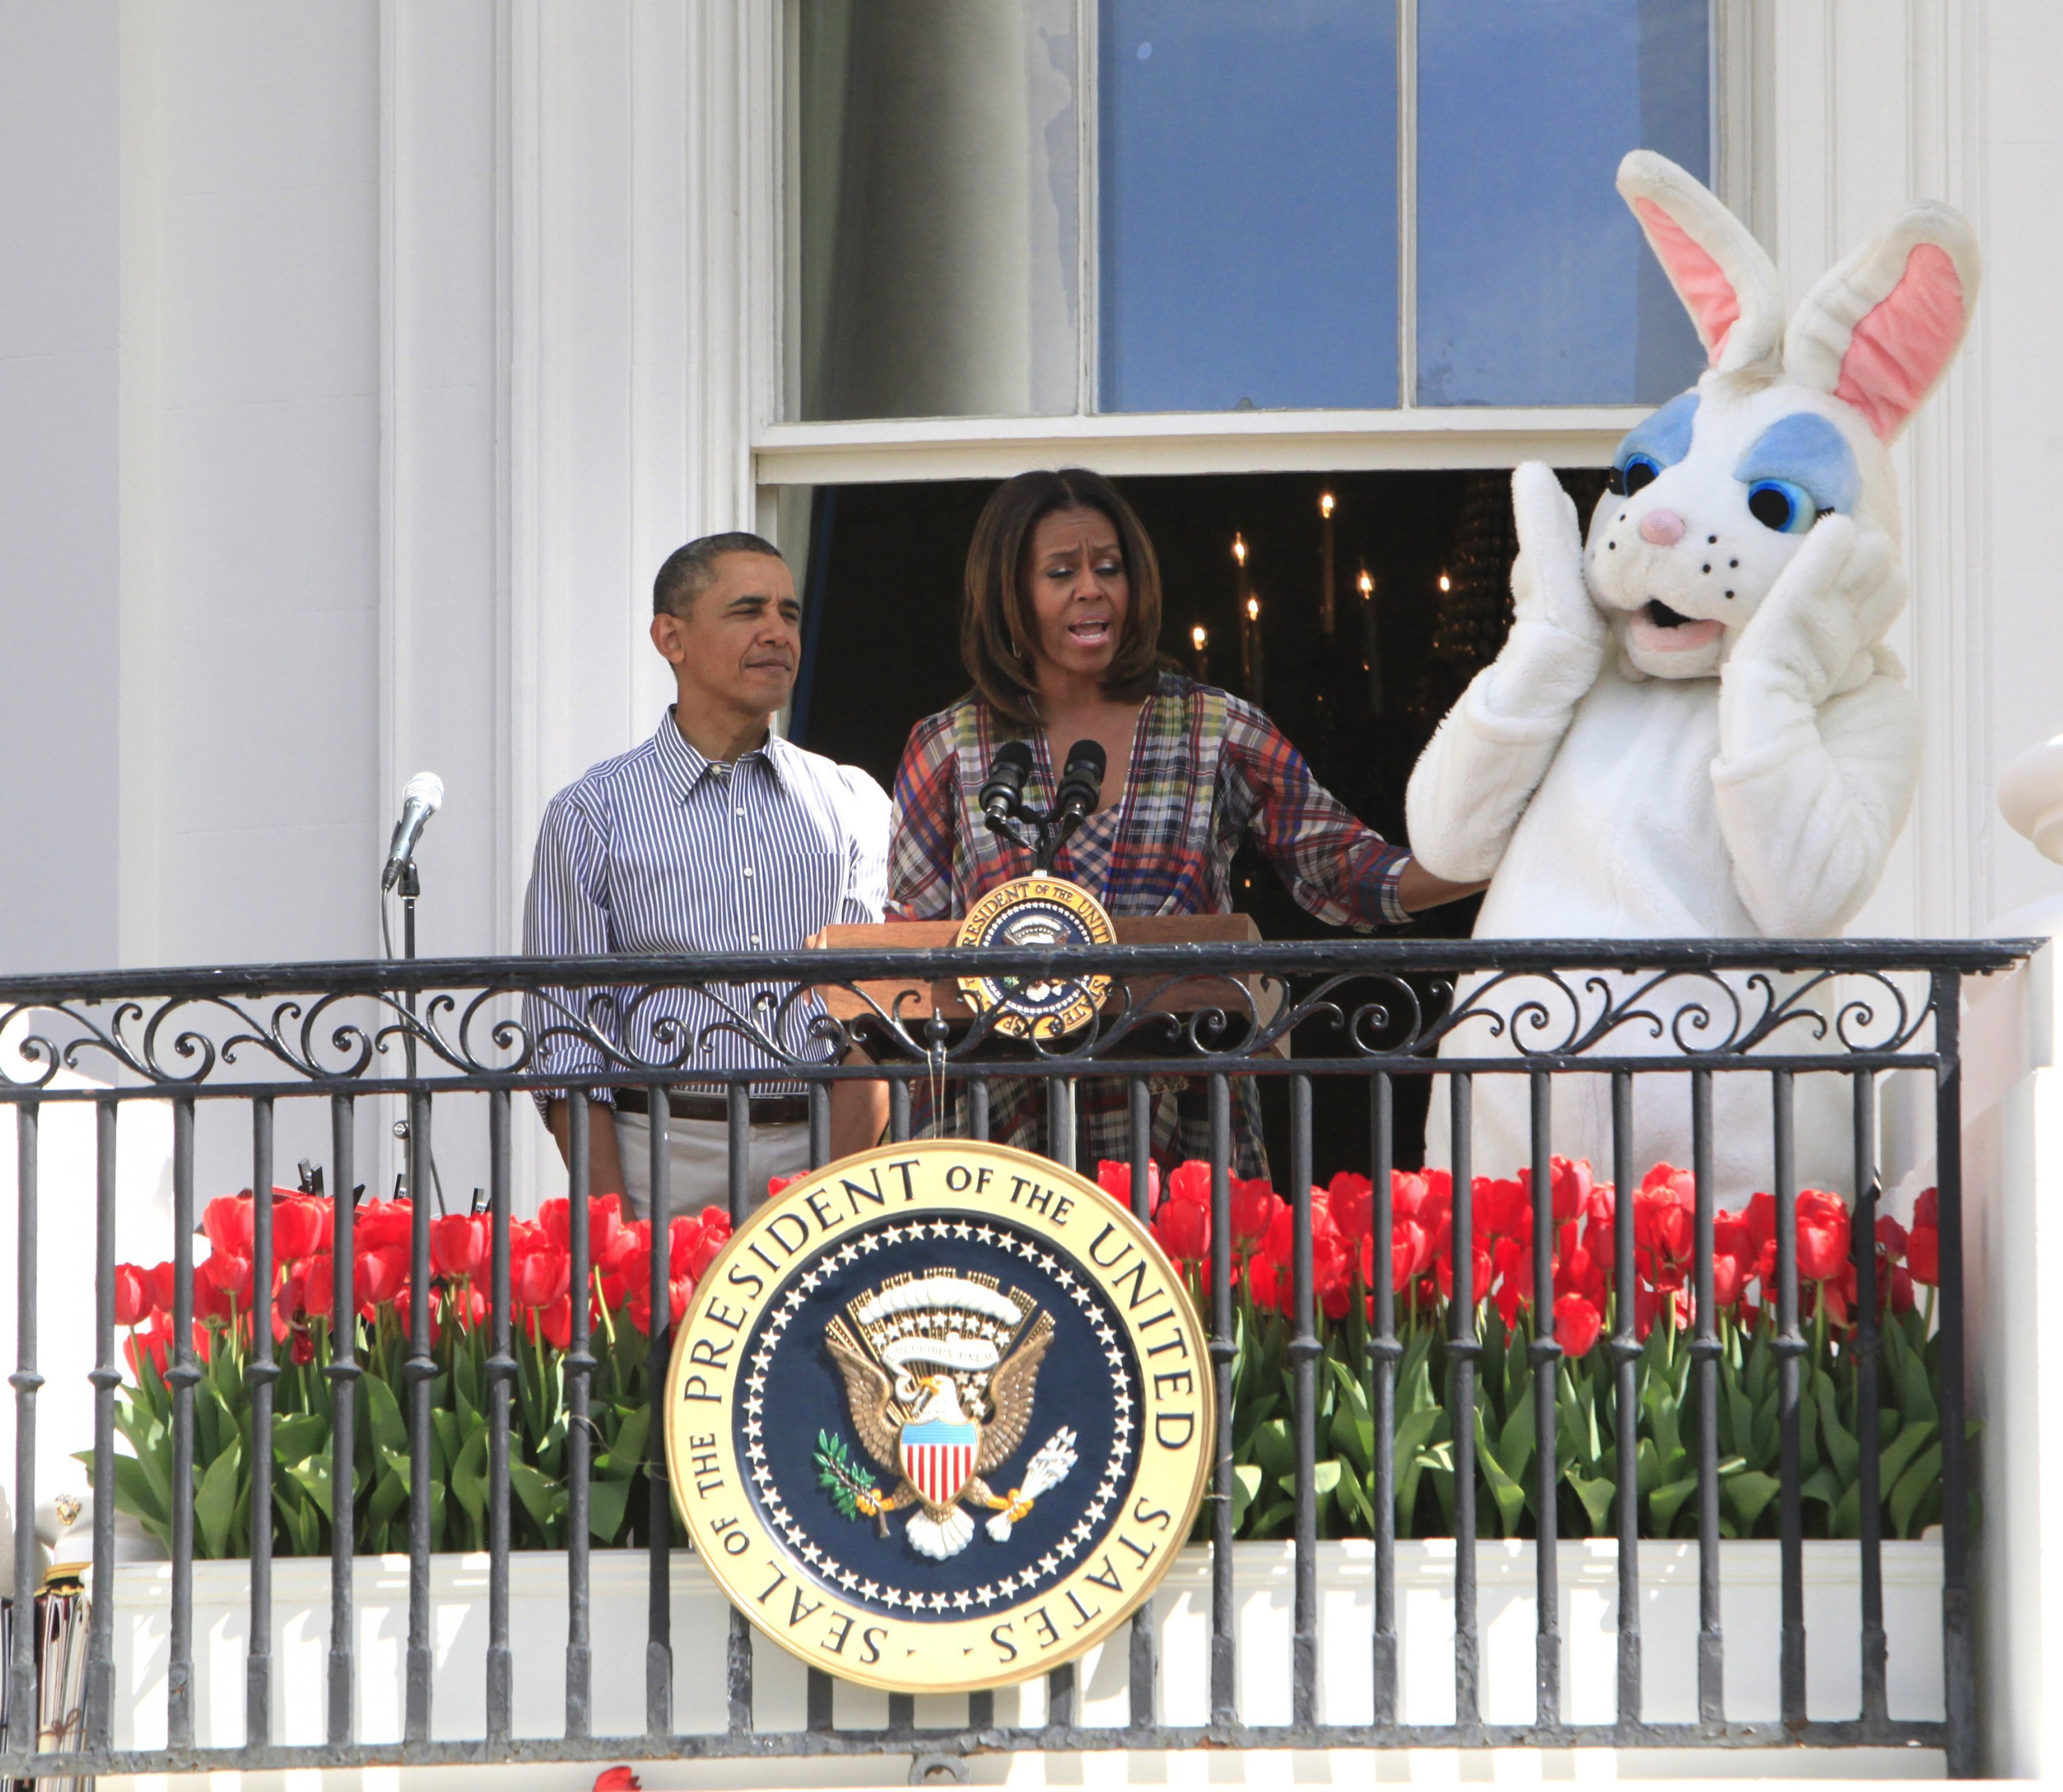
x,y
1660,629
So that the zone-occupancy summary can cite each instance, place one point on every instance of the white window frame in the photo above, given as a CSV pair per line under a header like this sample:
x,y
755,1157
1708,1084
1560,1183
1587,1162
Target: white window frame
x,y
787,454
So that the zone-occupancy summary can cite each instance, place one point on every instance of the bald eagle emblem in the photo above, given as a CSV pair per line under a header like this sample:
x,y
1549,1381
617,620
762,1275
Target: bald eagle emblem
x,y
940,1370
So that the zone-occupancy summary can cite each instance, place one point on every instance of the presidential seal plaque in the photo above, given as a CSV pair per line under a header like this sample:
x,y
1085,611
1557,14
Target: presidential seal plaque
x,y
939,1417
1037,911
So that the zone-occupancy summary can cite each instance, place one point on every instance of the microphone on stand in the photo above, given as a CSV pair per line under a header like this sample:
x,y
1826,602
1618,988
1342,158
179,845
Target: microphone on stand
x,y
423,797
1002,796
1081,784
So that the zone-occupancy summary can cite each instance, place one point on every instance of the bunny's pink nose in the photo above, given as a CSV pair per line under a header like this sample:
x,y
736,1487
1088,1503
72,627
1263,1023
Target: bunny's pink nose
x,y
1662,527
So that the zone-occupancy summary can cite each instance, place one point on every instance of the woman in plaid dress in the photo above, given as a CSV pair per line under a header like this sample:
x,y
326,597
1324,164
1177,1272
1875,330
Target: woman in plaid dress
x,y
1060,632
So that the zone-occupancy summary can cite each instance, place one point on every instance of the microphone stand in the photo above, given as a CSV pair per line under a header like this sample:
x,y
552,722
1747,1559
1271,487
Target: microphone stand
x,y
1053,827
411,886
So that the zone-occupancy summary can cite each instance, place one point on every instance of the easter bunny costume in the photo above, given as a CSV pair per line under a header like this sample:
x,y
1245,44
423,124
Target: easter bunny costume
x,y
1695,728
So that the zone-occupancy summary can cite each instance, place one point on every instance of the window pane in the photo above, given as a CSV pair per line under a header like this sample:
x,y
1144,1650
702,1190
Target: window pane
x,y
1247,204
1535,286
936,177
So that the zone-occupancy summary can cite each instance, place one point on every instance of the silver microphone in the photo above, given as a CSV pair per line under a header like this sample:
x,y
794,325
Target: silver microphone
x,y
423,797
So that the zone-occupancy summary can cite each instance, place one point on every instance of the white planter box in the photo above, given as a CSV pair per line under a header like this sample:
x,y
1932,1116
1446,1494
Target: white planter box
x,y
1424,1571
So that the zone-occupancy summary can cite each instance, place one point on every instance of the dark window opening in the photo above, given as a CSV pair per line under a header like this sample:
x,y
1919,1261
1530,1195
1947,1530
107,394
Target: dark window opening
x,y
881,651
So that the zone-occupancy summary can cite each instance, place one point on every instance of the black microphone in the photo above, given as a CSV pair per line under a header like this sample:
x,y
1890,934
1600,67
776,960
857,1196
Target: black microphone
x,y
1004,793
1081,783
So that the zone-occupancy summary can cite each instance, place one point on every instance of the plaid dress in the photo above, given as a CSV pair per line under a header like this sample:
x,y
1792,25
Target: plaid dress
x,y
1207,772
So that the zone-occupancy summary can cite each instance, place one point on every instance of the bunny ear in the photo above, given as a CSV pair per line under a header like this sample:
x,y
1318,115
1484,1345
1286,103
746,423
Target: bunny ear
x,y
1881,328
1724,277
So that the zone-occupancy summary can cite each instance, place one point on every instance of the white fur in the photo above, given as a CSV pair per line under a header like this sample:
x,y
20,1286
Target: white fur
x,y
1618,777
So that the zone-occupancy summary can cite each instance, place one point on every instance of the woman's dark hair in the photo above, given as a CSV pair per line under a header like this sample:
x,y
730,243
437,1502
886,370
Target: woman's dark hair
x,y
998,629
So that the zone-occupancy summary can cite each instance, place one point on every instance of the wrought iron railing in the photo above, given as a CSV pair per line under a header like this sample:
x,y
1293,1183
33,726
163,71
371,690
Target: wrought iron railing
x,y
342,1033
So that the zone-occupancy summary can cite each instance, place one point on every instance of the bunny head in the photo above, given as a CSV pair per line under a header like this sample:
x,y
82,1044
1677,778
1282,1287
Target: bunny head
x,y
1711,496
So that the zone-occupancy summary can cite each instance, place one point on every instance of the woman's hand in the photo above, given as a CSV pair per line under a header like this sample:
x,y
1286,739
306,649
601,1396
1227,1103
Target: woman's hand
x,y
1418,888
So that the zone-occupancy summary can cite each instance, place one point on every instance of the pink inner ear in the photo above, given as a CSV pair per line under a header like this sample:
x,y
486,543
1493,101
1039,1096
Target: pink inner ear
x,y
1900,348
1700,283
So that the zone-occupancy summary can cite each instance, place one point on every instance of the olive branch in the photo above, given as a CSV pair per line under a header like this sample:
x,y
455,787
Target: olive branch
x,y
847,1482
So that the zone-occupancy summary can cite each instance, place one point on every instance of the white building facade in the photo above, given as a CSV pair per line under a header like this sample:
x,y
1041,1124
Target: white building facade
x,y
361,359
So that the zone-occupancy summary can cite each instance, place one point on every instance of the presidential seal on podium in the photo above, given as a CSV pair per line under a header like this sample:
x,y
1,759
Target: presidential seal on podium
x,y
939,1417
1034,911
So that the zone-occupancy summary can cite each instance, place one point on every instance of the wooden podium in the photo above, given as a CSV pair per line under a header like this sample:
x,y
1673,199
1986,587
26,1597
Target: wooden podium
x,y
1155,994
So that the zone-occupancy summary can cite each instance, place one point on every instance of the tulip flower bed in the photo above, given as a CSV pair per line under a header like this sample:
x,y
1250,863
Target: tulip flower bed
x,y
300,1311
1584,1312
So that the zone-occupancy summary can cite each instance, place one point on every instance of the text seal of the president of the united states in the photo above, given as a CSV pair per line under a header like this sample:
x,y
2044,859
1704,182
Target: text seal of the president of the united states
x,y
939,1417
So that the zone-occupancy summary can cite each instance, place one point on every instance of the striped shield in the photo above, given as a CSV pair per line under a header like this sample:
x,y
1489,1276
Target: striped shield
x,y
938,1457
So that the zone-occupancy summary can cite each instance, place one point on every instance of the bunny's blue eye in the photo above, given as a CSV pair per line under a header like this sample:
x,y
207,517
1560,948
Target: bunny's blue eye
x,y
1782,505
1634,472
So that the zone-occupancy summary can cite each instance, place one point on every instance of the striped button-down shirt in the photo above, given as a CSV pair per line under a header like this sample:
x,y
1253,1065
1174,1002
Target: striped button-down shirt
x,y
663,850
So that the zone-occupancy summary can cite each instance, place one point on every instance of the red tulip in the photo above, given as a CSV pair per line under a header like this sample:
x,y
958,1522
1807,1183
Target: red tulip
x,y
1350,1200
1900,1292
227,1221
1183,1229
539,1276
1254,1207
1823,1235
1923,1254
132,1294
318,1284
303,1349
382,1225
1926,1210
1577,1324
161,1288
617,1779
377,1276
557,1322
1890,1237
1500,1209
300,1225
1115,1180
230,1274
461,1244
1729,1280
775,1184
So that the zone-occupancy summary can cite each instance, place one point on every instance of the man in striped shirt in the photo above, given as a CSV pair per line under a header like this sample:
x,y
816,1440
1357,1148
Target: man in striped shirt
x,y
715,835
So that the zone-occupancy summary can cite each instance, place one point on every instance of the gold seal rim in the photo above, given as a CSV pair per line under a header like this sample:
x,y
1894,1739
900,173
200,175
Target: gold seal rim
x,y
721,1567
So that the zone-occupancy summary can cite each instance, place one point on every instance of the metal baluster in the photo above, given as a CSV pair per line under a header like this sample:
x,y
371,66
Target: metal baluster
x,y
1958,1667
579,1370
978,1108
743,1197
899,1110
1463,1349
902,1713
185,1375
1060,1121
658,1510
1625,1405
1545,1354
343,1373
1061,1139
1383,1352
738,1649
261,1373
25,1380
1304,1352
106,1378
820,1125
817,1686
1790,1348
1869,1353
420,1370
501,1371
1224,1709
1705,1380
1144,1663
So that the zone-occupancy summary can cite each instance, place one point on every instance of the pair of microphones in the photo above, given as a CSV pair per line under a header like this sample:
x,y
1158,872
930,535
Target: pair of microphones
x,y
1080,788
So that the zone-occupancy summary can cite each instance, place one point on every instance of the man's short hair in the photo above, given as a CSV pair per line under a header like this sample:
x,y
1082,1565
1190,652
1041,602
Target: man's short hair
x,y
688,570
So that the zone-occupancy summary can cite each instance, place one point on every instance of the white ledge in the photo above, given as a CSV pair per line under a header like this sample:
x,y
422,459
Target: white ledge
x,y
1188,442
